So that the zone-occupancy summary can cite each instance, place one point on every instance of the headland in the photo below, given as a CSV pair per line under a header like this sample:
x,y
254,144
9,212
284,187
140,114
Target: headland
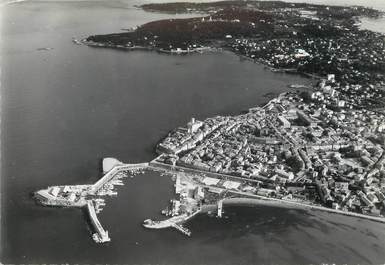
x,y
309,39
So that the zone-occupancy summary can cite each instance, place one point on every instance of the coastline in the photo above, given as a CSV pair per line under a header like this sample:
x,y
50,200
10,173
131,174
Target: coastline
x,y
148,48
88,91
271,202
254,199
112,167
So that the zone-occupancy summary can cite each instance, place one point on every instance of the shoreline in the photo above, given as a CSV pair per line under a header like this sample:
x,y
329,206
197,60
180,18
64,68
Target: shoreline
x,y
240,197
204,49
266,201
298,206
208,49
270,202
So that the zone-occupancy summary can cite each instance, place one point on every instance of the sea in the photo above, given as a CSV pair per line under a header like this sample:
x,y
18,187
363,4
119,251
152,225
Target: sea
x,y
64,107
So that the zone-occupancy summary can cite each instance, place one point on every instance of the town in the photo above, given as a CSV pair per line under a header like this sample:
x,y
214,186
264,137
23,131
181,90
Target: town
x,y
321,147
311,147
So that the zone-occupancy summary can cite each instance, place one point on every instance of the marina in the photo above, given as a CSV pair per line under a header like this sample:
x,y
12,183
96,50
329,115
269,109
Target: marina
x,y
89,196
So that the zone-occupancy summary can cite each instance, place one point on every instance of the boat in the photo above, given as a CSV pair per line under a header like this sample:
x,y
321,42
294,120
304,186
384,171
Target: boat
x,y
44,49
298,86
148,223
76,41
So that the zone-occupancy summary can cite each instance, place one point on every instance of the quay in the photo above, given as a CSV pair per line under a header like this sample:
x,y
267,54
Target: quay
x,y
112,172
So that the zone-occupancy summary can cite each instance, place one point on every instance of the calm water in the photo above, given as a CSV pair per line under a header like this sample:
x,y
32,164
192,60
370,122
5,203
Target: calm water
x,y
66,108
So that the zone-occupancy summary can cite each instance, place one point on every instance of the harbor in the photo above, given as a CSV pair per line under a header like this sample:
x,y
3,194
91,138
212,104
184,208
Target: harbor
x,y
196,191
192,199
89,197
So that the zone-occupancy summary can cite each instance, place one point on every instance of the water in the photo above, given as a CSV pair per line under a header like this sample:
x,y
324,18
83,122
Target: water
x,y
66,108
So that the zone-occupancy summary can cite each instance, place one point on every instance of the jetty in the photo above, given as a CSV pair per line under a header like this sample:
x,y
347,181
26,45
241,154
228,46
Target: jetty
x,y
100,235
182,229
175,222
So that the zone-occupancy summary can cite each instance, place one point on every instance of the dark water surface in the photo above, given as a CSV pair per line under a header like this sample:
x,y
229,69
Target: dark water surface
x,y
66,108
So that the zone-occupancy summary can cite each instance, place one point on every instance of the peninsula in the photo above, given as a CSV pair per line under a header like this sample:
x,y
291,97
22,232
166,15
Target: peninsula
x,y
322,148
309,39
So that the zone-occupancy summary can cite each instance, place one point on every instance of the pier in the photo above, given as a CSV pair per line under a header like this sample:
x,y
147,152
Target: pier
x,y
220,208
175,222
101,235
182,229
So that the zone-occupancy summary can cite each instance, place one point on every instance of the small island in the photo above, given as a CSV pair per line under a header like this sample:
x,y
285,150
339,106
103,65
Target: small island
x,y
322,148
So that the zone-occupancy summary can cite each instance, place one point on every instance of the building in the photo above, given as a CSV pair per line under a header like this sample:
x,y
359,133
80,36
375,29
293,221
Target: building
x,y
285,123
193,125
